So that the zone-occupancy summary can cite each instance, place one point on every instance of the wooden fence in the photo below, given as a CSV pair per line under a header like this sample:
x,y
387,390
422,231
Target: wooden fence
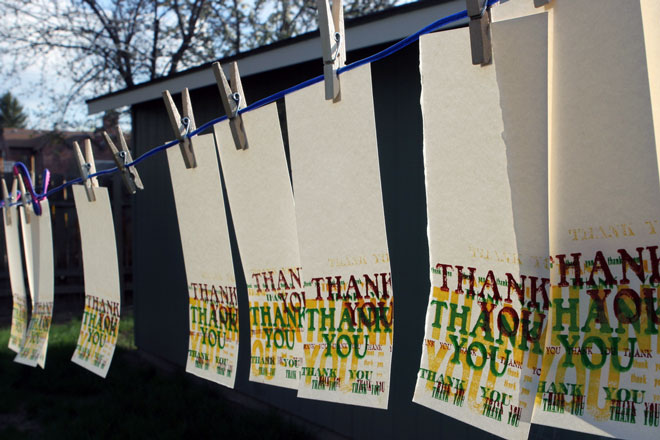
x,y
69,281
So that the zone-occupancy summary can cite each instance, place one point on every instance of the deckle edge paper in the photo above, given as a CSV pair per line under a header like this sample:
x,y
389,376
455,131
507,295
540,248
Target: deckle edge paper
x,y
19,317
343,243
99,328
212,298
39,255
601,370
261,200
479,356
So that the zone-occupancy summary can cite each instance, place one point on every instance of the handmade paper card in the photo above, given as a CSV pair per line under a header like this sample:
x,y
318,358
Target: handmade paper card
x,y
343,245
261,200
485,152
25,214
213,302
19,316
513,9
601,369
40,256
100,322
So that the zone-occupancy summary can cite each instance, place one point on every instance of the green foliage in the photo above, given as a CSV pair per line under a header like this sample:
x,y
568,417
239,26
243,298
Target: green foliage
x,y
11,112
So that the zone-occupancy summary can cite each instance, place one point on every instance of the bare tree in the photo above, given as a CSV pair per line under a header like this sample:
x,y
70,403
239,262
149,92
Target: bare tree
x,y
104,45
249,24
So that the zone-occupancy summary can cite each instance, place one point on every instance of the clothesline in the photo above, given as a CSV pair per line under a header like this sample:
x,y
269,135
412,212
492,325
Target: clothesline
x,y
20,167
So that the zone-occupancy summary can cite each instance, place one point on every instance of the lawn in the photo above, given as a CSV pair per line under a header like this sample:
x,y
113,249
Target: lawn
x,y
137,400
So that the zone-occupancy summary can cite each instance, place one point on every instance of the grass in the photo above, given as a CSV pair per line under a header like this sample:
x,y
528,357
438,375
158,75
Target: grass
x,y
65,401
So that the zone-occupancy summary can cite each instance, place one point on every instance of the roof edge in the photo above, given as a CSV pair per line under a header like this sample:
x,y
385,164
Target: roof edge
x,y
369,30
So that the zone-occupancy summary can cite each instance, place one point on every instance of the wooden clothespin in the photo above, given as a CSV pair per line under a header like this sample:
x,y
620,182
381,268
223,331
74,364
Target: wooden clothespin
x,y
182,125
13,196
333,42
7,199
482,52
539,3
233,99
89,155
87,167
129,175
25,198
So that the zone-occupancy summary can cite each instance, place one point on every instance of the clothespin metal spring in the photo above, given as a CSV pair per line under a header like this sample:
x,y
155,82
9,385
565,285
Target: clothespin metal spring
x,y
338,46
86,167
232,96
333,45
122,158
181,128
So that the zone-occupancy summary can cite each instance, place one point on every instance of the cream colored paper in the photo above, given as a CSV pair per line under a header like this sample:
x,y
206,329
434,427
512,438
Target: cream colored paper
x,y
485,149
100,322
513,9
26,235
601,371
343,245
40,255
261,200
213,302
19,316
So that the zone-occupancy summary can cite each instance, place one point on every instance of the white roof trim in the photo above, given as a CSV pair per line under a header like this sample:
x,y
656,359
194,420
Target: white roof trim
x,y
391,28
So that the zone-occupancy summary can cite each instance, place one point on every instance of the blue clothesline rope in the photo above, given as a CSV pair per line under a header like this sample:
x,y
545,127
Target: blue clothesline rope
x,y
19,167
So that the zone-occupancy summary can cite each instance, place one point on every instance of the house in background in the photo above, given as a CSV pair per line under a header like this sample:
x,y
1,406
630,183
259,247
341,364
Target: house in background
x,y
41,149
53,149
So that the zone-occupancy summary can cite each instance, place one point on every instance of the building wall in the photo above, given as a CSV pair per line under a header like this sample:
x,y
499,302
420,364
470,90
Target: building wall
x,y
160,285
